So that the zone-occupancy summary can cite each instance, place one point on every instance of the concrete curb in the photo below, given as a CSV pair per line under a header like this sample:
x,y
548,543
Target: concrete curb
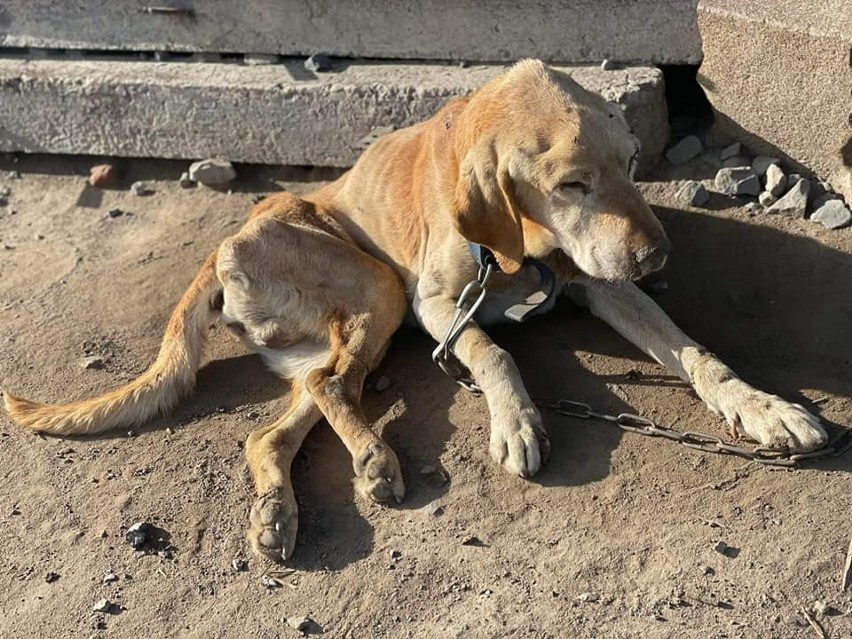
x,y
279,114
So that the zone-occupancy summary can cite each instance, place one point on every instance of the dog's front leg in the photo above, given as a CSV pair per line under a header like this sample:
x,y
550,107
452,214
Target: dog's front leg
x,y
767,419
518,441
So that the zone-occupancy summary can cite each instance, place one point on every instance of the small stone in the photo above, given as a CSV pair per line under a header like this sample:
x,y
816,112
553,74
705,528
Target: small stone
x,y
684,151
110,577
212,172
776,181
752,208
428,469
720,547
318,62
795,202
260,59
39,236
141,189
822,609
185,181
737,181
435,509
239,564
587,597
113,213
706,570
693,193
730,151
382,384
608,65
761,163
103,175
832,215
300,624
102,605
474,541
14,175
138,534
737,160
51,577
269,582
252,414
93,363
395,555
767,199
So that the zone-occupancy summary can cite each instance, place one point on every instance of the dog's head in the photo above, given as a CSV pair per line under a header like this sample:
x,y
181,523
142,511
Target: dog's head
x,y
544,165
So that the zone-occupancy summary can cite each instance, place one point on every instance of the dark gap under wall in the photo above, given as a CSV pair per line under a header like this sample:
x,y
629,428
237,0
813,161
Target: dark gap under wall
x,y
689,109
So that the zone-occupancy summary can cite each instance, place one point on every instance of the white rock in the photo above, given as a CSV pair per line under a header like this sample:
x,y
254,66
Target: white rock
x,y
212,172
607,65
693,193
102,605
776,181
684,151
730,151
259,59
832,215
185,181
300,623
795,202
737,181
761,163
141,189
767,199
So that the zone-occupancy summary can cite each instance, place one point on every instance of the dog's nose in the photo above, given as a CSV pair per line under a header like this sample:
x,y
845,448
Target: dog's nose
x,y
653,256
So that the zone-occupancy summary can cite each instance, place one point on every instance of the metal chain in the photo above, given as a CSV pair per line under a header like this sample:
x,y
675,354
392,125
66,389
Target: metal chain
x,y
632,423
443,355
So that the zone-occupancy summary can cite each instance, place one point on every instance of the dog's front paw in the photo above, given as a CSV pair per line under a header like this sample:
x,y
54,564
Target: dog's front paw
x,y
771,421
519,442
377,473
274,520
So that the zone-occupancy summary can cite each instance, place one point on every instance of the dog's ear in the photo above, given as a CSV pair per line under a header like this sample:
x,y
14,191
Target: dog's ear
x,y
485,208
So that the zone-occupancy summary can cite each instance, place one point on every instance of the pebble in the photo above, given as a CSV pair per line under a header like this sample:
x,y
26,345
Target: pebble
x,y
102,605
737,181
767,199
51,577
141,189
115,213
706,570
110,577
608,65
269,582
137,534
435,509
318,62
14,175
795,202
185,182
776,181
730,151
93,363
693,193
752,208
382,384
585,597
832,215
761,163
239,565
737,160
684,151
103,175
212,172
721,547
300,624
260,59
39,236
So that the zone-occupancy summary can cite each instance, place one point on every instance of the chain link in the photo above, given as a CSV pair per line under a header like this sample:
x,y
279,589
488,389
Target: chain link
x,y
632,423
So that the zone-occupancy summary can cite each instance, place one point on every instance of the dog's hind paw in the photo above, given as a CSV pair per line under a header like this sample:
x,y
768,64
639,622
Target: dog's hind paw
x,y
378,474
273,522
520,444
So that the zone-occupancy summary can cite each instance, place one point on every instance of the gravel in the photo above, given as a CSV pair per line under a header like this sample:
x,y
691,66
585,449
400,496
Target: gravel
x,y
103,175
767,199
51,577
102,605
684,151
93,363
737,181
212,172
138,534
776,181
795,202
318,63
730,151
833,214
141,189
693,193
110,577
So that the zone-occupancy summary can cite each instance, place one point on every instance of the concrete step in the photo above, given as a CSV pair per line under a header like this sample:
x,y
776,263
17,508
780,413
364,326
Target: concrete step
x,y
278,114
648,31
779,75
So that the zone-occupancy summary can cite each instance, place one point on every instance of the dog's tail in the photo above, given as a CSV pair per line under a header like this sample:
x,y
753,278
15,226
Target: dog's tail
x,y
156,390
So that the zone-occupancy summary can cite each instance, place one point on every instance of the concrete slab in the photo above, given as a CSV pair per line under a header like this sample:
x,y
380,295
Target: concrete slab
x,y
656,31
279,114
779,76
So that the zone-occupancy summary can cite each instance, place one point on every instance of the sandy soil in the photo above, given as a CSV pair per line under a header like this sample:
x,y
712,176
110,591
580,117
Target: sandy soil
x,y
615,538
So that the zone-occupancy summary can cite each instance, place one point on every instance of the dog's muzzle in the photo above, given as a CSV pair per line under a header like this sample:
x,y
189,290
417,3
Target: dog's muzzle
x,y
653,257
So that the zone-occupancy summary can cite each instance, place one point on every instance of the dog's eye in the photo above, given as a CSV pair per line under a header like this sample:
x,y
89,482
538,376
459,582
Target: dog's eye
x,y
574,187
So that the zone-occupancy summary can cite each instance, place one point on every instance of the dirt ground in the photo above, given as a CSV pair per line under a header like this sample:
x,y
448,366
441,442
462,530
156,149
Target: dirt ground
x,y
614,539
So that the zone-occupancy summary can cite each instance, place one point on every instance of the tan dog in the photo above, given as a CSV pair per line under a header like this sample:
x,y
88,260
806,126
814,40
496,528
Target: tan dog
x,y
531,165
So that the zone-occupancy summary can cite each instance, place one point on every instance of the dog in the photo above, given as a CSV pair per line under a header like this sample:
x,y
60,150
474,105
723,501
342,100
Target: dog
x,y
530,166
